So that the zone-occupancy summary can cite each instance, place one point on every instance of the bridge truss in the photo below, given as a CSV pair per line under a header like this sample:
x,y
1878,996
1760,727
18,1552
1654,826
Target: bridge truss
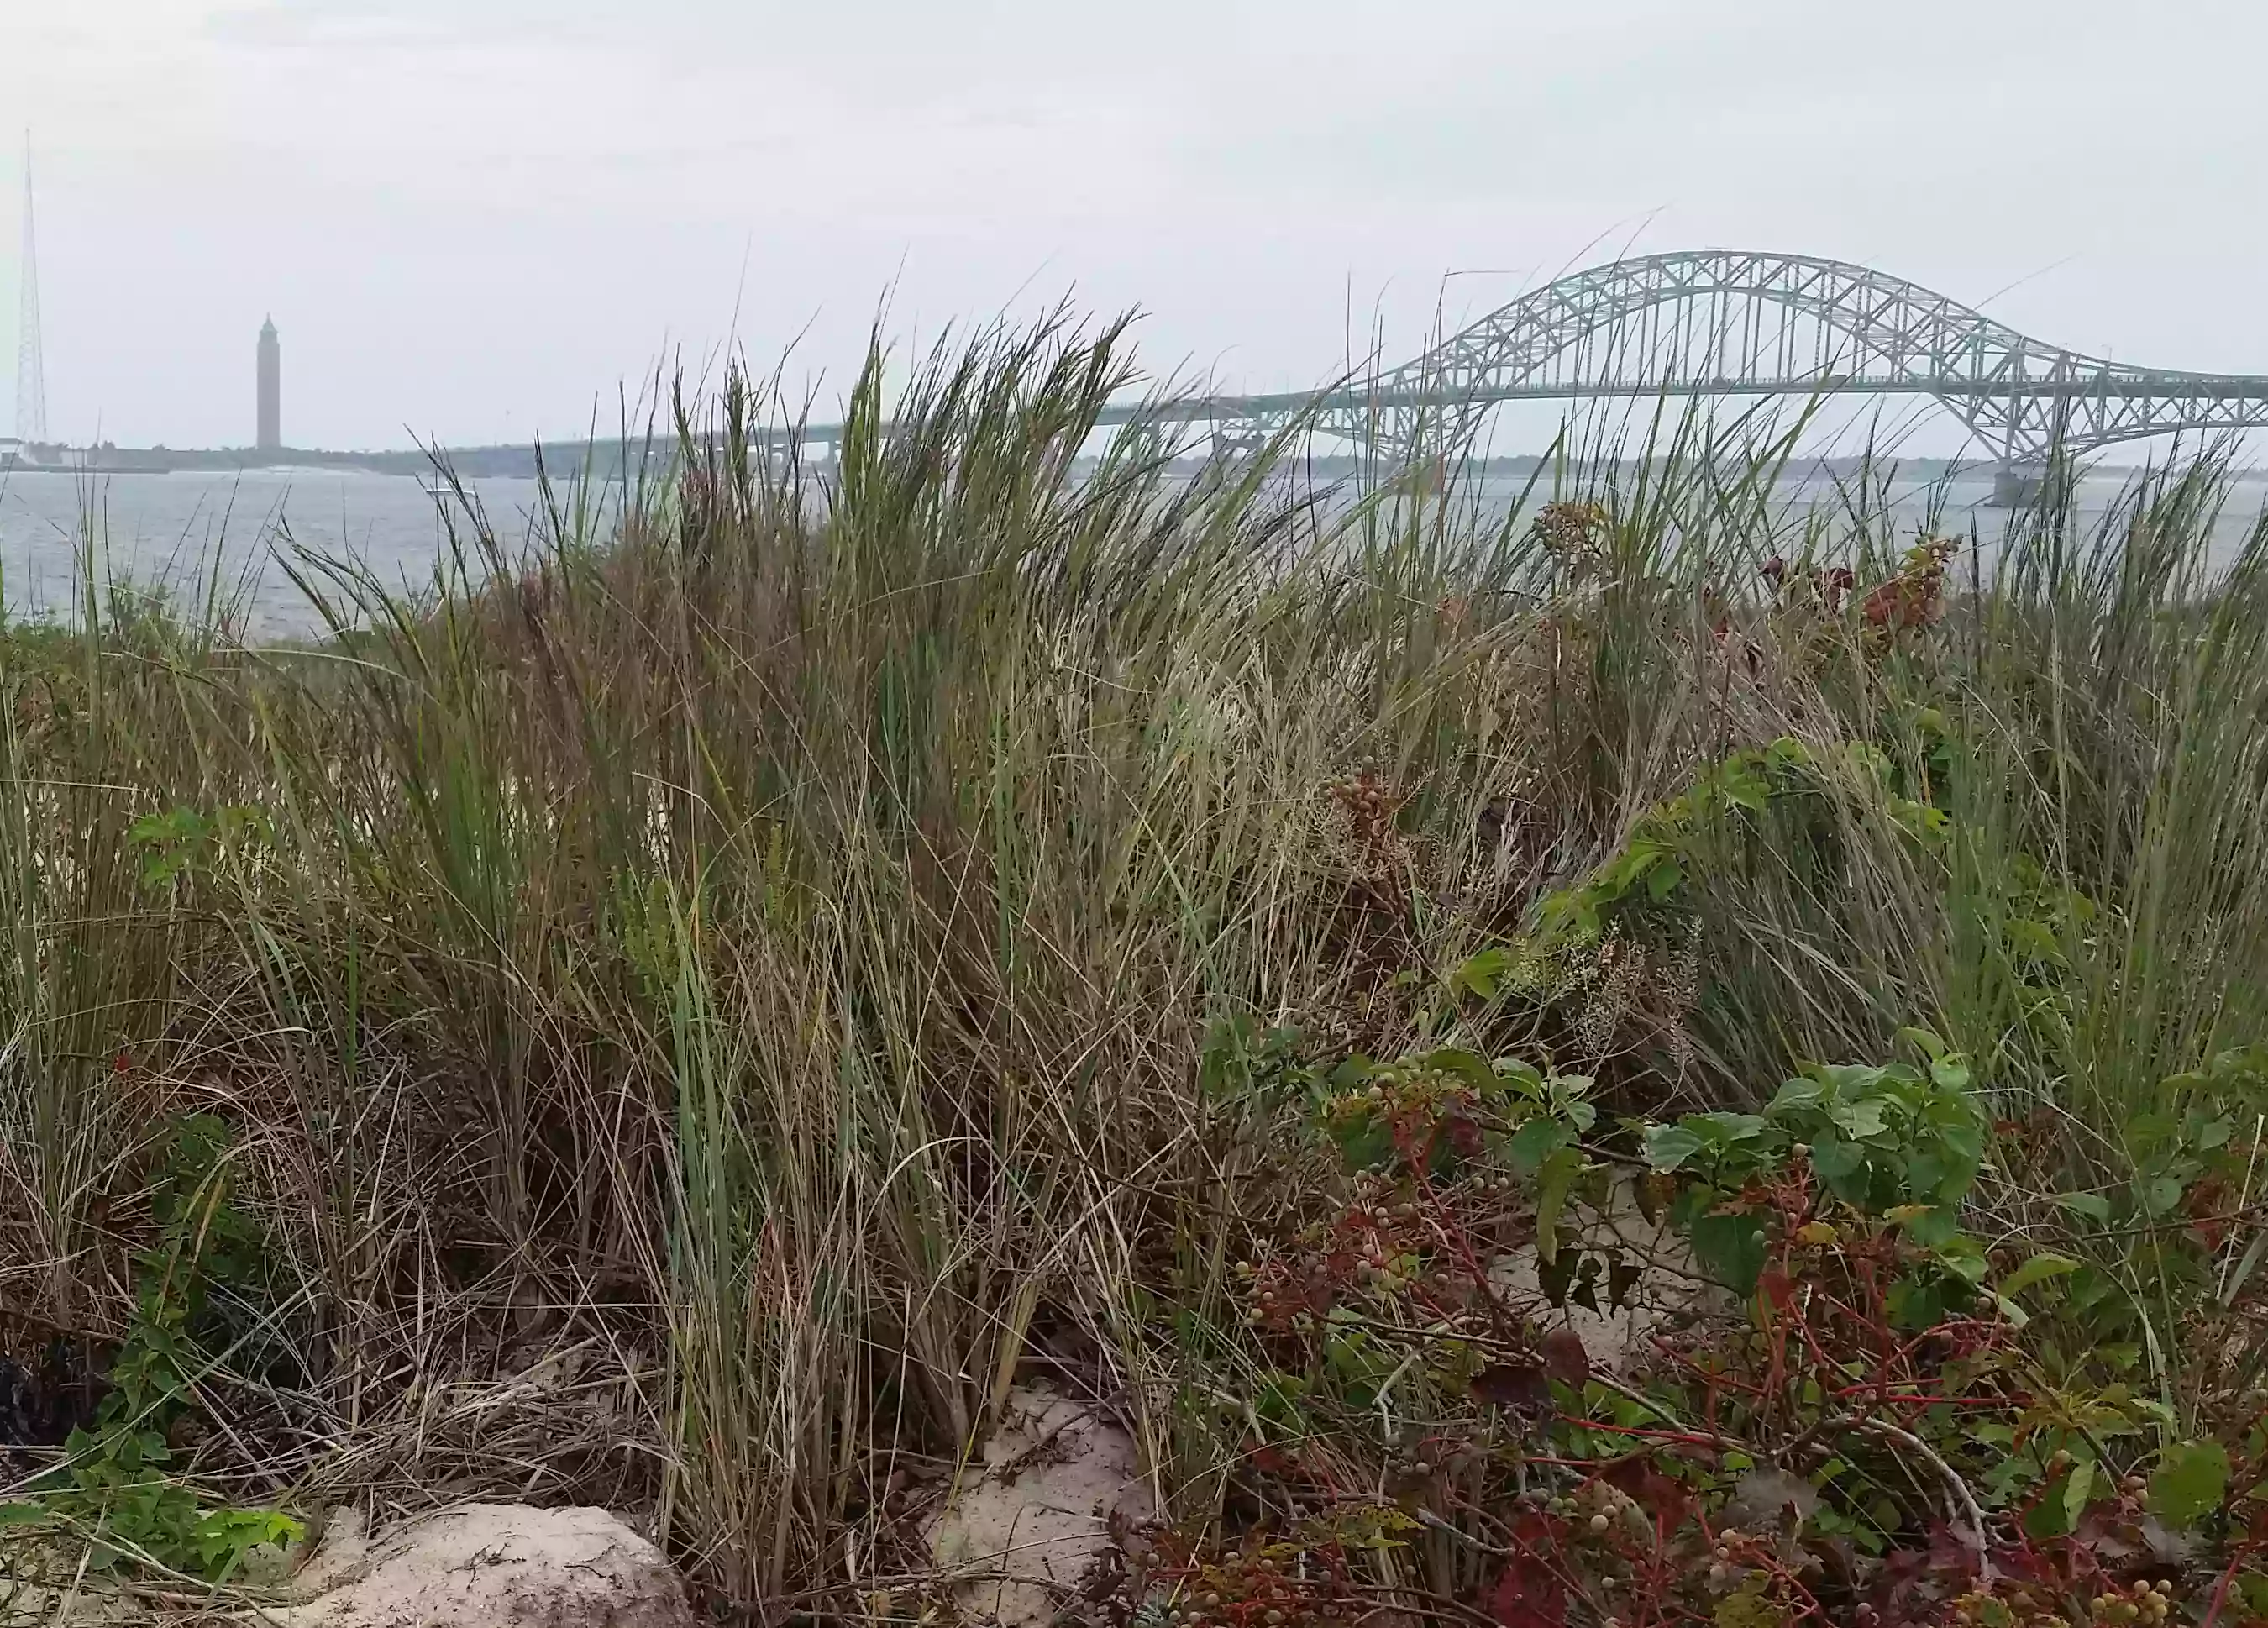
x,y
1729,323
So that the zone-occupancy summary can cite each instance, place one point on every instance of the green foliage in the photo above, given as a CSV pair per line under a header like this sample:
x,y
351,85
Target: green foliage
x,y
2190,1482
1894,1140
1241,1061
114,1490
1864,1305
1435,1111
1651,869
2163,1241
1671,843
184,840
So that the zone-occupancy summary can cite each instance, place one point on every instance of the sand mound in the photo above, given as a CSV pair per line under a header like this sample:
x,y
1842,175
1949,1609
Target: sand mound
x,y
490,1566
1059,1487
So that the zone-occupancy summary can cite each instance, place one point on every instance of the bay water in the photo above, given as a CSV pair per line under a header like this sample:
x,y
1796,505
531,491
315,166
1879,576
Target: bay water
x,y
220,538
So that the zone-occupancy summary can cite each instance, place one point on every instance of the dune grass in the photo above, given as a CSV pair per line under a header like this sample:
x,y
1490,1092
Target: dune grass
x,y
698,1012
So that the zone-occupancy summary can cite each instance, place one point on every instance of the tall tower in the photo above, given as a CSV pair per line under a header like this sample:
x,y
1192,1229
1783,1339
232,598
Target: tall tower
x,y
271,389
31,366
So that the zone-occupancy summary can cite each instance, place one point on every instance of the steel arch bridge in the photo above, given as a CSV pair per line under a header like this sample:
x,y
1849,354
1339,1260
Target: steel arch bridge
x,y
1730,323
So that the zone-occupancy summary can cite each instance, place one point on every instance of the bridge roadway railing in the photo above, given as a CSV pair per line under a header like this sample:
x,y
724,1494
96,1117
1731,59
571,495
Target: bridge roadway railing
x,y
2088,411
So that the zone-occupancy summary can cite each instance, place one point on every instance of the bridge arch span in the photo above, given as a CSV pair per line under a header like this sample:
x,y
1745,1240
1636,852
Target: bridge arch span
x,y
1730,323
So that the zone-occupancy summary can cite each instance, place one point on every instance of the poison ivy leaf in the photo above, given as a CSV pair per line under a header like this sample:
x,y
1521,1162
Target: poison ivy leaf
x,y
1536,1141
1841,1166
2190,1480
2214,1132
1553,1181
1482,973
1925,1041
2161,1194
2037,1270
1800,1092
2061,1503
1934,1226
2093,1206
1521,1079
1747,793
1962,1256
1352,1072
1667,1147
1747,1608
1861,1121
1916,1303
1365,1141
1277,1399
1730,1249
1468,1066
2077,1487
1723,1130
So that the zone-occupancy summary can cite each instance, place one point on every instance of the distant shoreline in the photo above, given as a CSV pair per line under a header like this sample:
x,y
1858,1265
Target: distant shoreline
x,y
608,460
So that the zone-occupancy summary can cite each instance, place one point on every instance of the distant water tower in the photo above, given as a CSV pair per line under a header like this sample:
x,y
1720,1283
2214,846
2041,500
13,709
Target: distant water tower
x,y
271,389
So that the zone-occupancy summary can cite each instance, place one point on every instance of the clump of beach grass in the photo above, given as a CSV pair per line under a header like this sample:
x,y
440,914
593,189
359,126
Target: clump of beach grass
x,y
699,1010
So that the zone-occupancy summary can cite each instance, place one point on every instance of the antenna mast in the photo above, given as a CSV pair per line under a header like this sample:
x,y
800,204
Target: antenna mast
x,y
31,364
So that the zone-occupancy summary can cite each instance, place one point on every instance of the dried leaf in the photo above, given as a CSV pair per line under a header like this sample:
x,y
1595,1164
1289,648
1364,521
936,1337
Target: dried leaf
x,y
1765,1498
1513,1385
1564,1359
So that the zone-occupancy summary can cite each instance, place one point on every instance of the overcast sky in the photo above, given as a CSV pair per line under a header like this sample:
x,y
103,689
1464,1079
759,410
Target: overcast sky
x,y
475,219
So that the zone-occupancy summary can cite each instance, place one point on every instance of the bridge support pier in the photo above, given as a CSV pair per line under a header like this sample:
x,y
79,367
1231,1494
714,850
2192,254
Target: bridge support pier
x,y
2015,485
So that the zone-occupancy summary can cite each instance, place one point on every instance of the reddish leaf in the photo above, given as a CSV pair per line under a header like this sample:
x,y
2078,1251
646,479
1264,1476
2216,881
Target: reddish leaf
x,y
1513,1385
2210,1205
1564,1359
1950,1555
1661,1497
2101,1527
1527,1595
1268,1460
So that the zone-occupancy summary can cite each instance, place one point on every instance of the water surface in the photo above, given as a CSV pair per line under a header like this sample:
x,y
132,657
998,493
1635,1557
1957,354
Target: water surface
x,y
191,532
